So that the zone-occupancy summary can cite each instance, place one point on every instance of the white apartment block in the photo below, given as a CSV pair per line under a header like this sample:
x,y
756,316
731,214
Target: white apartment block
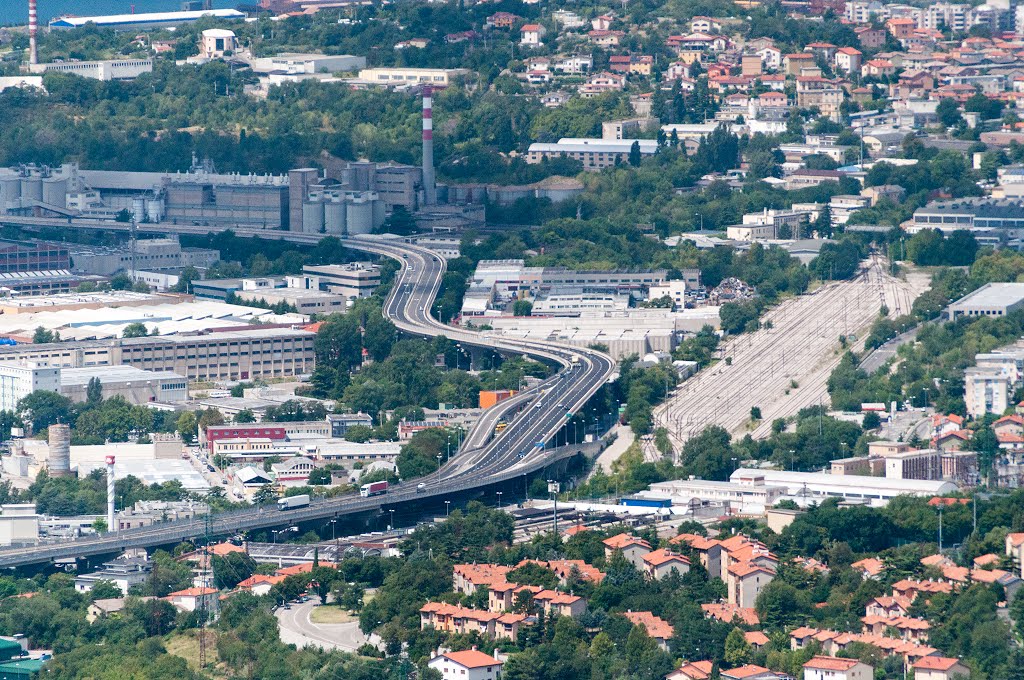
x,y
18,380
987,390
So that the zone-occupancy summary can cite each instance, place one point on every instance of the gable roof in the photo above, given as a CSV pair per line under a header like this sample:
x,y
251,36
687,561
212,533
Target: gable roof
x,y
831,663
622,541
935,663
472,658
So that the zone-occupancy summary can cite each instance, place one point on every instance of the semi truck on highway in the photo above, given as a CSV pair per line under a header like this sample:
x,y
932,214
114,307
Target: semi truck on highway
x,y
293,502
373,489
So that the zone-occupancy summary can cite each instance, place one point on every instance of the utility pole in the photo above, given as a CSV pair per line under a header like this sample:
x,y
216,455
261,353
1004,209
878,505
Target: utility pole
x,y
204,584
553,488
940,529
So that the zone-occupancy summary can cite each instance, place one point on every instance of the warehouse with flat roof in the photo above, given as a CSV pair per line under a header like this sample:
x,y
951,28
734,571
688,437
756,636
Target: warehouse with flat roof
x,y
992,299
150,20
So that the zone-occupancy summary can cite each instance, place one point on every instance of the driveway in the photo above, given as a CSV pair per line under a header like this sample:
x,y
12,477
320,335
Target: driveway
x,y
297,629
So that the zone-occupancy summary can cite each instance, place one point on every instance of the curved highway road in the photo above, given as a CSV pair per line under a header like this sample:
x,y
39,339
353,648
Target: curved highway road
x,y
518,450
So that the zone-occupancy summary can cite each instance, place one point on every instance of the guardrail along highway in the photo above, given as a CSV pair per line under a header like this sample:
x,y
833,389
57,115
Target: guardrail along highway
x,y
517,450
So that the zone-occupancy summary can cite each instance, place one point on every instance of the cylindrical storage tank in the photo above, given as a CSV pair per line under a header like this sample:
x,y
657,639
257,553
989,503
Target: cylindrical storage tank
x,y
138,209
55,191
360,217
58,464
312,217
32,188
10,191
379,213
334,217
155,209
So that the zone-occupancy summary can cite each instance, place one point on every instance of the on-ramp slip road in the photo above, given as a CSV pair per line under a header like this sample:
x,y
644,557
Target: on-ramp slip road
x,y
518,450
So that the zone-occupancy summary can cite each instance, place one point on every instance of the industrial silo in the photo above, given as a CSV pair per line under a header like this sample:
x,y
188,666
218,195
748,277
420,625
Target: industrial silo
x,y
32,188
312,217
55,191
360,216
10,191
58,464
335,217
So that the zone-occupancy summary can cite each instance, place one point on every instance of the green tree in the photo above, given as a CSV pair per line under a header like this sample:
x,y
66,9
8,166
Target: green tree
x,y
634,154
737,650
187,426
135,330
522,308
94,391
245,416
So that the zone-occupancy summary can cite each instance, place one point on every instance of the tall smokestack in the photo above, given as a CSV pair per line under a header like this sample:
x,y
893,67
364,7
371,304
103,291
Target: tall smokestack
x,y
110,493
33,30
429,188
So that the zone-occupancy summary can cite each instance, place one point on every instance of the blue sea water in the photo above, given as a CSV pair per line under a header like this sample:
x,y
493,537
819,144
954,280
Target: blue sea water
x,y
16,11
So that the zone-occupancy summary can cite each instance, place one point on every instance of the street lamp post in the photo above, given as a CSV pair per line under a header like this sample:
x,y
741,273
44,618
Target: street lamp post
x,y
438,468
392,527
447,506
333,523
499,499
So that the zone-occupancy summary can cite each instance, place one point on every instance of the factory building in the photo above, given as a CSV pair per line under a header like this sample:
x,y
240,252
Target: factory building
x,y
32,256
295,63
135,385
150,254
146,21
353,280
110,69
229,355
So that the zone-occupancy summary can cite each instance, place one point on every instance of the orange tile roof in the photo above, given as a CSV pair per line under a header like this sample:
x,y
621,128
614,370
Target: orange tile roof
x,y
192,592
657,627
936,560
657,558
444,609
694,541
555,597
482,574
936,663
257,579
622,541
472,658
955,573
726,613
744,569
697,670
985,560
747,671
870,565
803,632
831,663
756,638
225,548
1016,538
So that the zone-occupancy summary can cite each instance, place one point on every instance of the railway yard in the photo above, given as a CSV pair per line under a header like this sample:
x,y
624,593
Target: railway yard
x,y
784,367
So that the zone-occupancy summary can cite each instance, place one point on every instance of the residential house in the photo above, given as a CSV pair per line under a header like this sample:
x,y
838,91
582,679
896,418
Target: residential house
x,y
507,626
901,27
575,64
606,38
631,547
795,64
466,578
821,93
909,628
746,581
602,23
870,37
532,35
730,613
195,599
503,20
451,618
709,551
658,564
599,83
501,597
847,59
102,608
1015,549
634,64
822,50
888,606
877,68
940,668
832,668
750,672
771,57
260,584
756,639
704,25
911,588
553,602
870,567
658,628
773,82
470,664
696,670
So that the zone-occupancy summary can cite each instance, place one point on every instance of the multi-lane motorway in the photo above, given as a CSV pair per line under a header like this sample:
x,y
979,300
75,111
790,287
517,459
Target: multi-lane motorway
x,y
518,450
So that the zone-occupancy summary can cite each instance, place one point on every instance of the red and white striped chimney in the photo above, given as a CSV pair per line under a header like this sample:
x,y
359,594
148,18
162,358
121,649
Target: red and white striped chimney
x,y
429,186
33,30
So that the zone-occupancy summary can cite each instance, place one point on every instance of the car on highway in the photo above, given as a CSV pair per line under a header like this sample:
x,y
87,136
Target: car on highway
x,y
420,487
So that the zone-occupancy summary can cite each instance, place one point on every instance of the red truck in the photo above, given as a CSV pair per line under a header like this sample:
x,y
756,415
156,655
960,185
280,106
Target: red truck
x,y
373,489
